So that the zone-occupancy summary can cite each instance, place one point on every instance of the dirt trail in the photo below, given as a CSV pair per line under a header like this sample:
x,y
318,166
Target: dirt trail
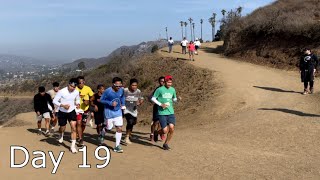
x,y
258,127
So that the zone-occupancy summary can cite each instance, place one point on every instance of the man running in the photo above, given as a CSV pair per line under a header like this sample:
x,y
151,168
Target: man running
x,y
308,67
41,102
155,117
134,99
114,102
98,109
85,94
55,111
67,99
164,98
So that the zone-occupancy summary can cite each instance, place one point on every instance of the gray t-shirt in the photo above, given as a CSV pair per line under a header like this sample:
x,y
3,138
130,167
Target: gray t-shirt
x,y
132,99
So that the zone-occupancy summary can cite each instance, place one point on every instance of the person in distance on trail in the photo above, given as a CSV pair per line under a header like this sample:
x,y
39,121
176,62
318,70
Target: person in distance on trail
x,y
68,100
184,44
197,45
114,102
54,118
134,99
164,98
308,67
191,49
170,44
42,101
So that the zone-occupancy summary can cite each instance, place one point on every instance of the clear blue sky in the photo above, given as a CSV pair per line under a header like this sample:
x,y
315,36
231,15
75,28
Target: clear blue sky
x,y
71,29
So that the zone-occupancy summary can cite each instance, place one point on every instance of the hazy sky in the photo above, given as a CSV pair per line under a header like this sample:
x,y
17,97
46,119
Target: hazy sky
x,y
71,29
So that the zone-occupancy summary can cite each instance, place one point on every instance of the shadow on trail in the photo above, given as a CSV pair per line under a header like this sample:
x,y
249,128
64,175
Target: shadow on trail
x,y
137,137
276,89
218,50
289,111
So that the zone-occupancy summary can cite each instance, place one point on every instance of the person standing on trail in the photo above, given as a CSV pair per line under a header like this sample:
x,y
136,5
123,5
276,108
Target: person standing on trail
x,y
197,45
191,49
170,44
114,102
55,111
308,67
68,100
164,98
98,108
42,101
155,116
184,44
85,94
134,99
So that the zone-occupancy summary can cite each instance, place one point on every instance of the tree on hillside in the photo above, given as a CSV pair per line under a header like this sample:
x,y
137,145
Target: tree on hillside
x,y
185,32
239,10
81,66
181,23
190,20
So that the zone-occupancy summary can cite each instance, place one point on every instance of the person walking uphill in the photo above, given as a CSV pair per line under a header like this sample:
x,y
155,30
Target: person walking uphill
x,y
308,67
170,44
184,44
41,102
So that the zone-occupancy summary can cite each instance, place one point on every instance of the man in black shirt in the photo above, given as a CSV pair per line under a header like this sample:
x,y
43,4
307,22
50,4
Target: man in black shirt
x,y
308,67
41,102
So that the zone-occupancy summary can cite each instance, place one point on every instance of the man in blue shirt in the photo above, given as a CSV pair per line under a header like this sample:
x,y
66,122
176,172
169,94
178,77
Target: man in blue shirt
x,y
114,102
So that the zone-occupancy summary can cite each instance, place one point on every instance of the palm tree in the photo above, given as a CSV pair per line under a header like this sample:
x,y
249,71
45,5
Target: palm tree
x,y
201,21
212,21
190,20
223,12
167,33
185,25
239,10
194,34
181,23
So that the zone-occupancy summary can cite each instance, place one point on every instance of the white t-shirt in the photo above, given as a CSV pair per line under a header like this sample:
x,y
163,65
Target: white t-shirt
x,y
67,97
184,42
197,43
170,42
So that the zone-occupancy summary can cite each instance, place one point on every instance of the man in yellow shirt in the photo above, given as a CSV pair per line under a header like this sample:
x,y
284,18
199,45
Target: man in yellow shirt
x,y
85,94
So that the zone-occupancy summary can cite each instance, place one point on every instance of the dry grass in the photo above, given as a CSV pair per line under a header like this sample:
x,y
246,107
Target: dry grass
x,y
9,107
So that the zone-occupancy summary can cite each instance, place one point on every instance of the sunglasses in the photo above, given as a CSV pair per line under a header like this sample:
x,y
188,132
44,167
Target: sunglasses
x,y
117,86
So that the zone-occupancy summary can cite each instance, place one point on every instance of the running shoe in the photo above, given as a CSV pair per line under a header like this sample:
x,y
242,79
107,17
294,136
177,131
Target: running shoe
x,y
80,143
39,132
127,140
100,139
60,139
166,147
118,149
73,150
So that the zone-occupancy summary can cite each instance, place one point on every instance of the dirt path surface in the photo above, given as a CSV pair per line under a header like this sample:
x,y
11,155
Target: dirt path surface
x,y
258,127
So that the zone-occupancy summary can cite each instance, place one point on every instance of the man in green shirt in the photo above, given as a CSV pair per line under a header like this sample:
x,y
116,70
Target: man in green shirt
x,y
164,97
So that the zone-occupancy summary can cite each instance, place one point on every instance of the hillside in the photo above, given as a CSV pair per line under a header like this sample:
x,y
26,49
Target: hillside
x,y
129,51
275,34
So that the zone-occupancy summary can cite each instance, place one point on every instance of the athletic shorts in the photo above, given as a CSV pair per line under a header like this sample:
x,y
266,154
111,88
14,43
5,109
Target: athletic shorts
x,y
83,117
131,120
197,47
45,115
191,52
66,117
165,120
98,118
117,121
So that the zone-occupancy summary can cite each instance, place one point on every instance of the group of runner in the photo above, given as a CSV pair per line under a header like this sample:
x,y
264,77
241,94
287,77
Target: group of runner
x,y
77,103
